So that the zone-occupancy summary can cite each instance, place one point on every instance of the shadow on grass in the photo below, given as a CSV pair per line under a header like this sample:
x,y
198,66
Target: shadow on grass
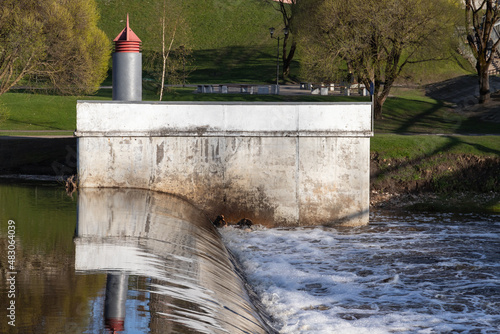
x,y
462,91
428,115
413,116
441,171
235,64
405,115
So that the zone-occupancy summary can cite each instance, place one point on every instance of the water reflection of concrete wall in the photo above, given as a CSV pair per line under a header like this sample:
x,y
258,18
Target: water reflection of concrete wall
x,y
159,236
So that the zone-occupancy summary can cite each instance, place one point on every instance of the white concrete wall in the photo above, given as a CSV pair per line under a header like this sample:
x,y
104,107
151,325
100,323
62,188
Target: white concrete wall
x,y
274,163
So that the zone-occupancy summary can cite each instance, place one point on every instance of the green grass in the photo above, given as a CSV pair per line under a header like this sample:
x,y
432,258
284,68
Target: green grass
x,y
411,112
429,72
230,39
394,146
31,112
36,133
237,64
203,25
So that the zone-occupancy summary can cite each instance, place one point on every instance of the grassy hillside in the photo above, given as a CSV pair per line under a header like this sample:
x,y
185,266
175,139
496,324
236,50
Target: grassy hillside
x,y
230,39
210,24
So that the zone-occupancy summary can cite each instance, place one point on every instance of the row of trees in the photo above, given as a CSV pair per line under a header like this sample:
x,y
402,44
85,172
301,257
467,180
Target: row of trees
x,y
374,40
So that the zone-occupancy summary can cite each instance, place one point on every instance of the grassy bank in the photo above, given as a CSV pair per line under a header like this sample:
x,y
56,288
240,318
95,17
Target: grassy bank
x,y
411,147
230,39
407,112
451,173
456,164
420,147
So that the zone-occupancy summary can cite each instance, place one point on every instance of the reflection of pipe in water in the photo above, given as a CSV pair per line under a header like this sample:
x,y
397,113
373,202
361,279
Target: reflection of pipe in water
x,y
116,298
193,287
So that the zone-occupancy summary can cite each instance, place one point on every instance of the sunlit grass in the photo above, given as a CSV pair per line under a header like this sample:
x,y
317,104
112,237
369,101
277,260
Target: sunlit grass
x,y
393,146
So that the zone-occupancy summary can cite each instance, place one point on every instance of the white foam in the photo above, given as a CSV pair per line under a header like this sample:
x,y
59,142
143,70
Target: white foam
x,y
394,276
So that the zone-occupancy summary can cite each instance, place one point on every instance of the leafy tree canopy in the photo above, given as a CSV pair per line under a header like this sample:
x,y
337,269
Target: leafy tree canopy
x,y
52,43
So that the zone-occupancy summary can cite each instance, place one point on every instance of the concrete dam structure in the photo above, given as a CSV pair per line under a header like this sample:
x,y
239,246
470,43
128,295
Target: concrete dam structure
x,y
192,284
278,164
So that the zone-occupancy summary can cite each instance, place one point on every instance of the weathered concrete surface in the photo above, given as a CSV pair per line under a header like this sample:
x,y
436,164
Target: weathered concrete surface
x,y
274,163
171,242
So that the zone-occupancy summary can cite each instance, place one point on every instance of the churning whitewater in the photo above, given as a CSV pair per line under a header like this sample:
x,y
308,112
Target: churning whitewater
x,y
400,274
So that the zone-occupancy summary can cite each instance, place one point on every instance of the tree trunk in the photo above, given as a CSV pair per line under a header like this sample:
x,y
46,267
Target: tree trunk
x,y
163,69
484,81
377,107
165,53
379,100
287,59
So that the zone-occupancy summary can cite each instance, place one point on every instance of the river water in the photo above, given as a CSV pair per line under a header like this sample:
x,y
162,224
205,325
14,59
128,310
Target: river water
x,y
116,260
148,262
415,273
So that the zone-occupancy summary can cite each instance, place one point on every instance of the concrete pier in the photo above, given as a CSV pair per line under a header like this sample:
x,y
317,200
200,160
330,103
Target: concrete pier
x,y
278,164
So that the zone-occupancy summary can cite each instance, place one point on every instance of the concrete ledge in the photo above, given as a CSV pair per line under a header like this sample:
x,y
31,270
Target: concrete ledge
x,y
97,118
201,133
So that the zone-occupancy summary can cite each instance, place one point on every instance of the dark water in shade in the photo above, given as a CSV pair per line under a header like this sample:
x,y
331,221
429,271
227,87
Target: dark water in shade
x,y
130,260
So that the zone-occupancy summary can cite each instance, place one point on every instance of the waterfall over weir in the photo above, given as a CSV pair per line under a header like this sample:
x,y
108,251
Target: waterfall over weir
x,y
192,284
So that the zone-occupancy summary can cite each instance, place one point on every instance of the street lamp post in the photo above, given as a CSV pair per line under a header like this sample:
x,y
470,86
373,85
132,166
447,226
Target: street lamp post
x,y
271,31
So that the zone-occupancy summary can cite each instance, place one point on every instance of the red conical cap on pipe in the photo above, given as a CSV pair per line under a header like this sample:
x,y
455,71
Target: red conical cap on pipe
x,y
115,325
127,40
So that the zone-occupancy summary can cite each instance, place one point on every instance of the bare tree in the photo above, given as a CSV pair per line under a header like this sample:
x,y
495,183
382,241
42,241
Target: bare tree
x,y
481,18
165,51
162,50
373,40
287,9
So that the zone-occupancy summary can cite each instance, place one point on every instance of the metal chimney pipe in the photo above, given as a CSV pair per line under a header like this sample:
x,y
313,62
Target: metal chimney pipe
x,y
127,66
